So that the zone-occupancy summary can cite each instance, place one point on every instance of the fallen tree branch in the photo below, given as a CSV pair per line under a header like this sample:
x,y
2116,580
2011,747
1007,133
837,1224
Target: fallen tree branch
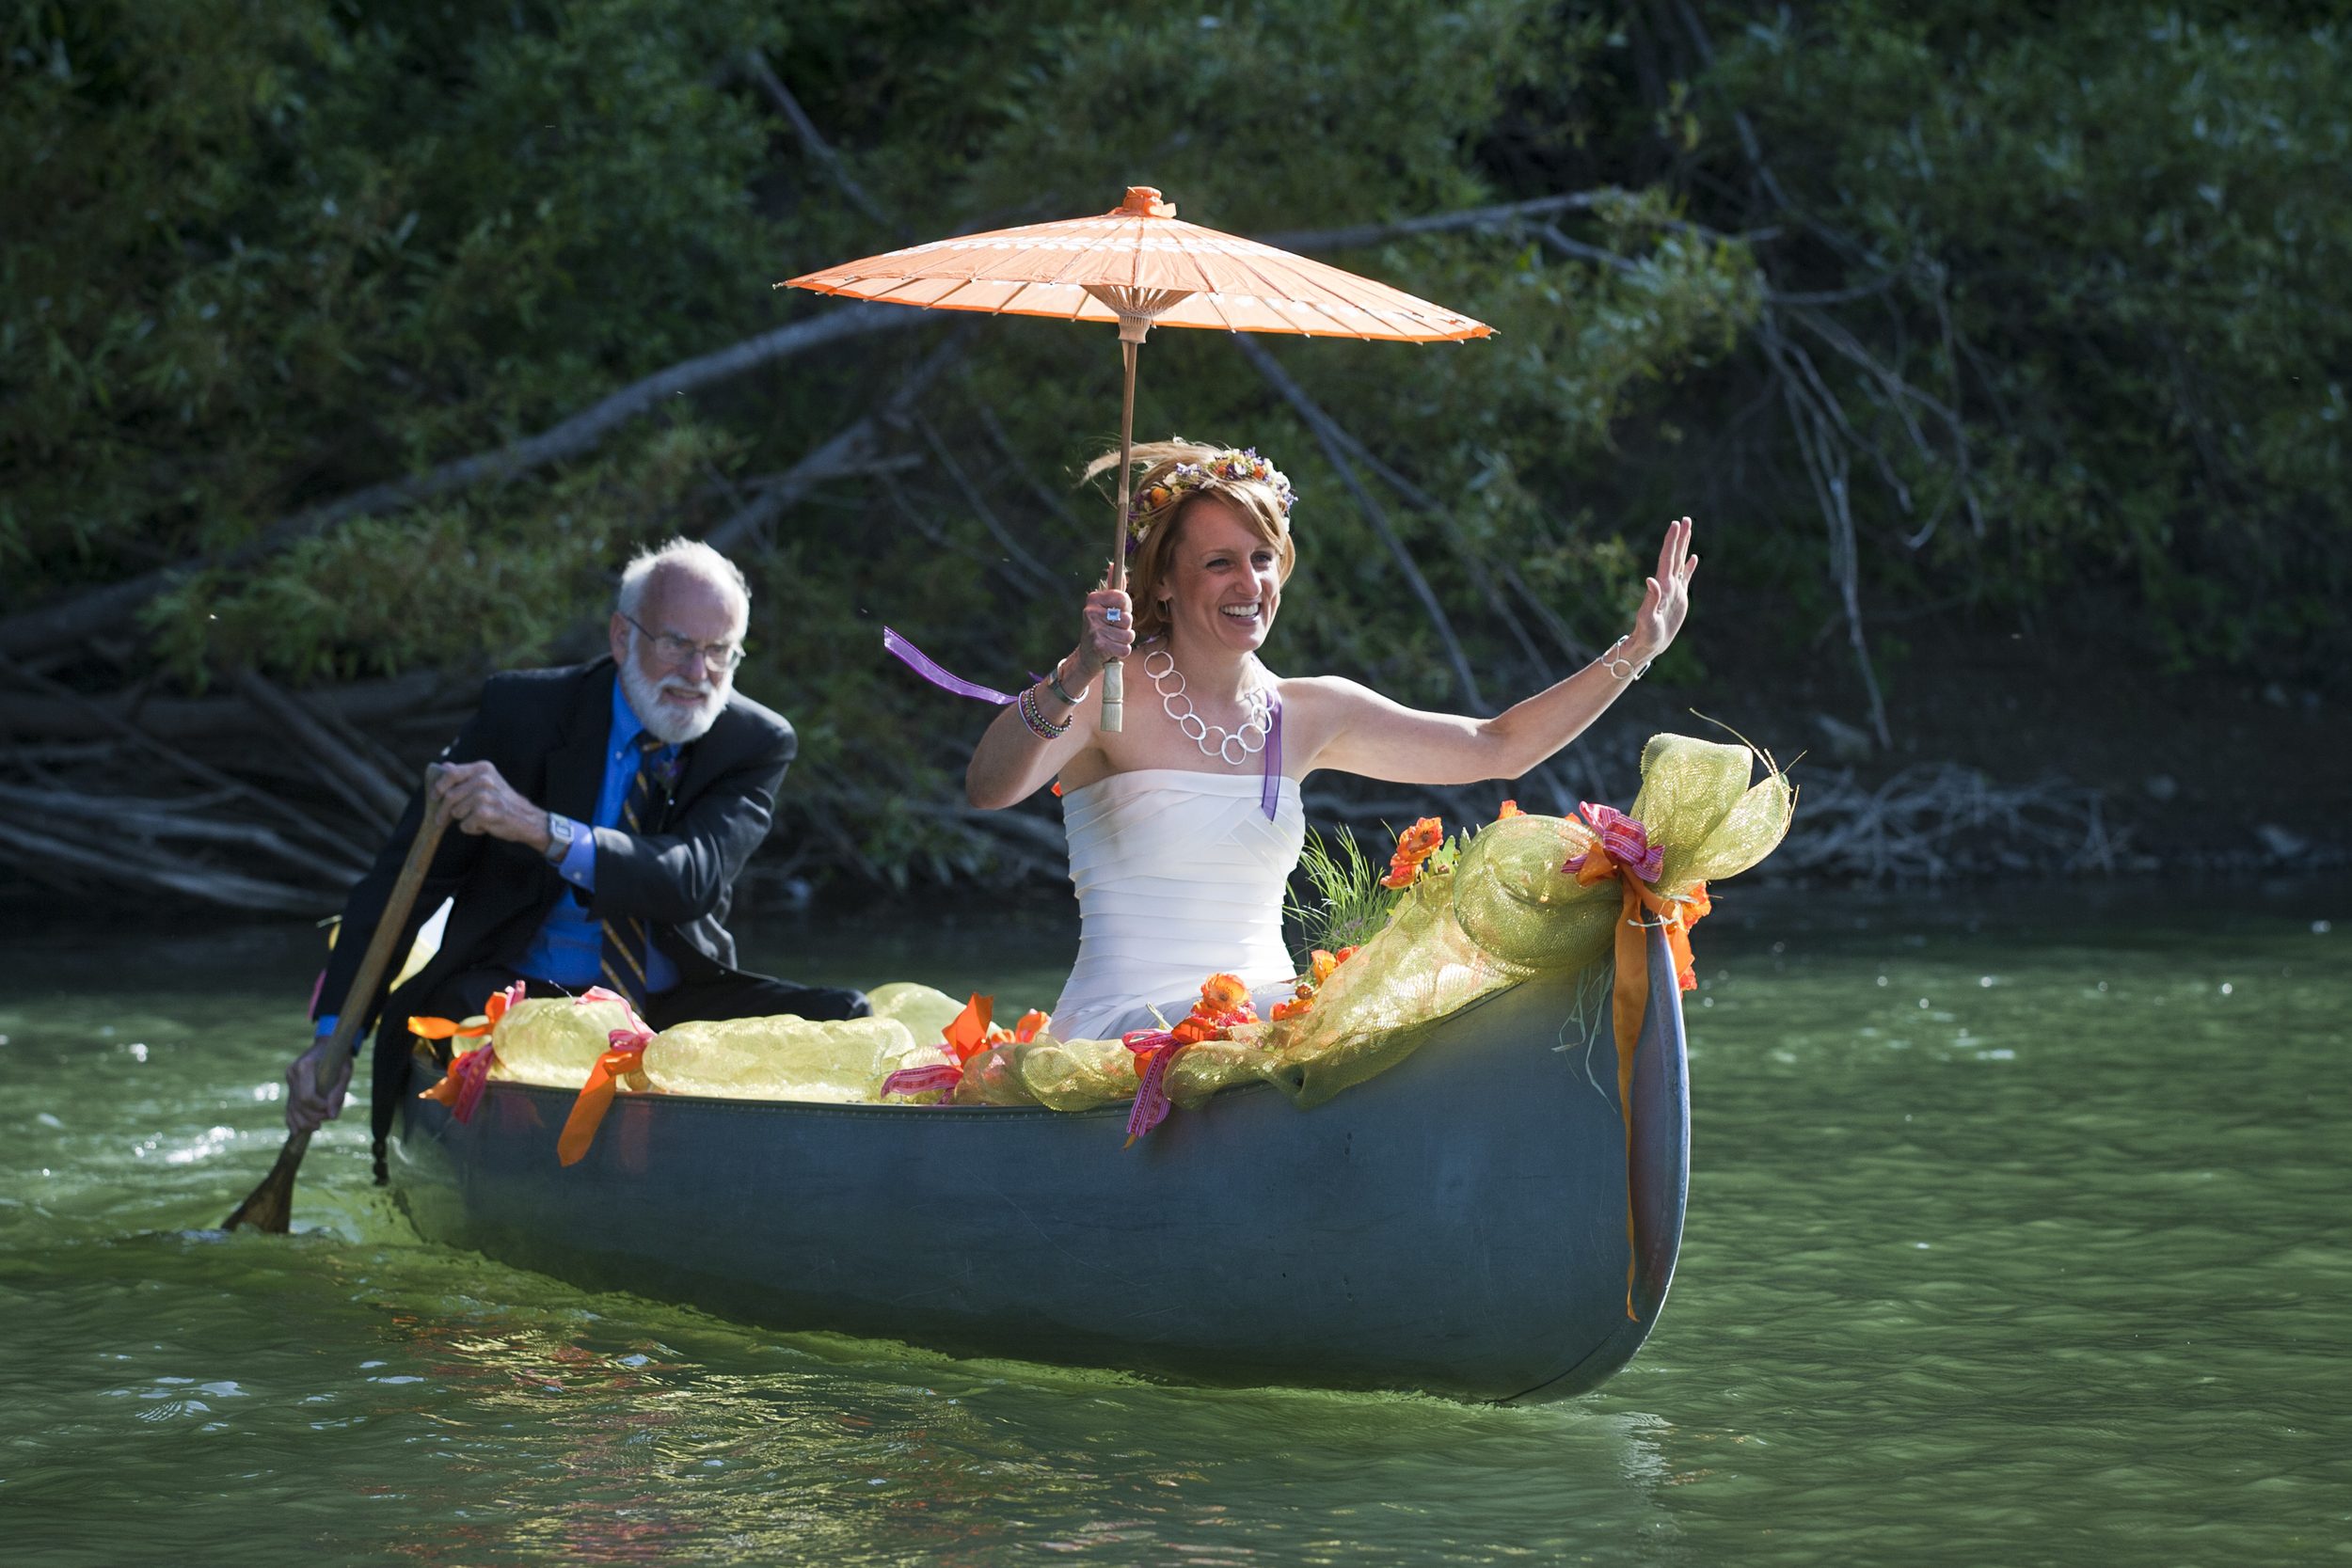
x,y
1929,823
74,702
155,869
342,770
140,819
63,624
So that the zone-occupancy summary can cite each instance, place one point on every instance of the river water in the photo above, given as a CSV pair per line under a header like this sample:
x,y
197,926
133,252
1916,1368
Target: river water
x,y
2020,1232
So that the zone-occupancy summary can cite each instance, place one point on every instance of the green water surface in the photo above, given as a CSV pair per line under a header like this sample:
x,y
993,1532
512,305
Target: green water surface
x,y
2020,1232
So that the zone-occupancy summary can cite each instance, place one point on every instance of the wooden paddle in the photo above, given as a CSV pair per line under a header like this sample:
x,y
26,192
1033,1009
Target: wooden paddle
x,y
271,1207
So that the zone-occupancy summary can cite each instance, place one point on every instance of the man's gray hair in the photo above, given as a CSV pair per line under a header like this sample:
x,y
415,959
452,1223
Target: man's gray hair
x,y
681,555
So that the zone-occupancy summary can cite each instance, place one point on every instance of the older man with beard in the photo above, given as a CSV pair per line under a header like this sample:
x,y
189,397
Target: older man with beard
x,y
604,812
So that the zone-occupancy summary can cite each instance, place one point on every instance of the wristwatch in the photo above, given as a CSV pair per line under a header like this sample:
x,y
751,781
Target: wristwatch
x,y
559,834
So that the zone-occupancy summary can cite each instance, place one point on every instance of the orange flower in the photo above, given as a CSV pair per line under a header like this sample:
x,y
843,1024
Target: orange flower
x,y
1510,808
1222,993
1192,1029
1300,1008
1224,1002
1320,964
1415,845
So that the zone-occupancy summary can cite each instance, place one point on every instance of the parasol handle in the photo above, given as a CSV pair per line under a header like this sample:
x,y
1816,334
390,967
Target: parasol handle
x,y
1114,681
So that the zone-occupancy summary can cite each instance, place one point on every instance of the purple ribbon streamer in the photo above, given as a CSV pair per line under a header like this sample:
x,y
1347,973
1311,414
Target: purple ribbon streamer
x,y
1272,794
922,664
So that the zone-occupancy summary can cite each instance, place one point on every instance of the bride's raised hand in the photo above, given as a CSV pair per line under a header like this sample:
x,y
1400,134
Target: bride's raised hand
x,y
1110,630
1667,599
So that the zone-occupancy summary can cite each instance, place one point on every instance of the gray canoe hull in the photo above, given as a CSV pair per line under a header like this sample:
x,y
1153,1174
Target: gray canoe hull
x,y
1455,1225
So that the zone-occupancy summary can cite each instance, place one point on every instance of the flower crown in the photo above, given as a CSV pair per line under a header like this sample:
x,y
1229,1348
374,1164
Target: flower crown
x,y
1228,466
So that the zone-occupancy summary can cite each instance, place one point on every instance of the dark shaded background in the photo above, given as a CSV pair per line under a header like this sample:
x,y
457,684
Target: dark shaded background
x,y
1999,349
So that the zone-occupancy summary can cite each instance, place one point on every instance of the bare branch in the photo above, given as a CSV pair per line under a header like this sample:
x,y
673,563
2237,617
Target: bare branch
x,y
1510,214
1047,583
1441,223
63,624
155,867
815,144
127,816
856,450
1550,231
340,769
1334,447
133,733
1825,461
1038,487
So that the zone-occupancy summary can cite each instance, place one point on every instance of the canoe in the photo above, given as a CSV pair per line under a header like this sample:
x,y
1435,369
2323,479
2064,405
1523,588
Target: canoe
x,y
1457,1225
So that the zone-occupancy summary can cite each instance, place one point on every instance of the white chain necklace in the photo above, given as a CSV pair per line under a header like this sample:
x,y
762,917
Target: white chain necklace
x,y
1196,728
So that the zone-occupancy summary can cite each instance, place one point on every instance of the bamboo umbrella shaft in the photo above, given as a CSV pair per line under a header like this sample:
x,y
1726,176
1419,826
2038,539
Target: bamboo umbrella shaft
x,y
1114,680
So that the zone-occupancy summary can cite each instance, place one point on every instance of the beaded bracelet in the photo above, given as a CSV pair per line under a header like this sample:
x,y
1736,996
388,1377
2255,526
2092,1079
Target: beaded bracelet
x,y
1034,715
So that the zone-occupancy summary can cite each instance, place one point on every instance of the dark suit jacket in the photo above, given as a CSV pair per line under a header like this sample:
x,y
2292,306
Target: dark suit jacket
x,y
547,730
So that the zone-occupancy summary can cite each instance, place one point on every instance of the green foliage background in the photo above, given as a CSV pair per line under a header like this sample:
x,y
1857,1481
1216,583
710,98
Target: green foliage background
x,y
263,253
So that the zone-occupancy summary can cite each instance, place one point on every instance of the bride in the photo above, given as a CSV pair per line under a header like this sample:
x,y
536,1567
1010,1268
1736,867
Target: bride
x,y
1186,824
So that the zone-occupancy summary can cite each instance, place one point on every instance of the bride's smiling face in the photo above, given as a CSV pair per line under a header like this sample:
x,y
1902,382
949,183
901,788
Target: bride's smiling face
x,y
1223,583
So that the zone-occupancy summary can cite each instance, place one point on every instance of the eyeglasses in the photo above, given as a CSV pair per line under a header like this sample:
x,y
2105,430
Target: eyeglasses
x,y
678,652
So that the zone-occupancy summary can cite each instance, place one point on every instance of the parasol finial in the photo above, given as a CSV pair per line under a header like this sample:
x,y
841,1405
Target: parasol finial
x,y
1144,201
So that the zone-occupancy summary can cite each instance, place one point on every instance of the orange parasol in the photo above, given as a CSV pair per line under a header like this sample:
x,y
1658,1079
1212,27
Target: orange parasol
x,y
1139,267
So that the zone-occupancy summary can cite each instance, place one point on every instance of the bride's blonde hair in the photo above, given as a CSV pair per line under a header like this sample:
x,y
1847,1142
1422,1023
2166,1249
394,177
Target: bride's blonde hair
x,y
1253,488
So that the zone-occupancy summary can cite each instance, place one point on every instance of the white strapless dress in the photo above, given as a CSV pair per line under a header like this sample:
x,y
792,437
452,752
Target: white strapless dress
x,y
1180,877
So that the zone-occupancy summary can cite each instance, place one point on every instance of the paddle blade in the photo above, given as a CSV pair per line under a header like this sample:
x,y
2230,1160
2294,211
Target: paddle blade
x,y
270,1208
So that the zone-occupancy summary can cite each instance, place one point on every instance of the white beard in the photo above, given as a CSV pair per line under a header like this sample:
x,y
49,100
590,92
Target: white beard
x,y
666,722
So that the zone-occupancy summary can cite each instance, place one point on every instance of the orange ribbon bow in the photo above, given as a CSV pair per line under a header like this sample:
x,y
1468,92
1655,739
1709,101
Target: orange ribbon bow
x,y
1624,851
966,1035
627,1059
462,1086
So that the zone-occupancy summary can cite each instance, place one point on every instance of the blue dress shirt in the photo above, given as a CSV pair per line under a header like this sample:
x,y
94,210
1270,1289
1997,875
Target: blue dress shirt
x,y
570,949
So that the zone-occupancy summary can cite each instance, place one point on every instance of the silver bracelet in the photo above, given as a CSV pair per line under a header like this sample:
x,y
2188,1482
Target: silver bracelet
x,y
1054,682
1621,668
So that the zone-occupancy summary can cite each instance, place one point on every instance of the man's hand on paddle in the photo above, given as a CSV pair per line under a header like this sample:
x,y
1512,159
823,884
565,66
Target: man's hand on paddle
x,y
479,802
315,1087
1668,599
1110,630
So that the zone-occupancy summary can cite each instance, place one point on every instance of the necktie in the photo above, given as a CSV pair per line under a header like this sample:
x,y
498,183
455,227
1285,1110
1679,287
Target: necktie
x,y
626,937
